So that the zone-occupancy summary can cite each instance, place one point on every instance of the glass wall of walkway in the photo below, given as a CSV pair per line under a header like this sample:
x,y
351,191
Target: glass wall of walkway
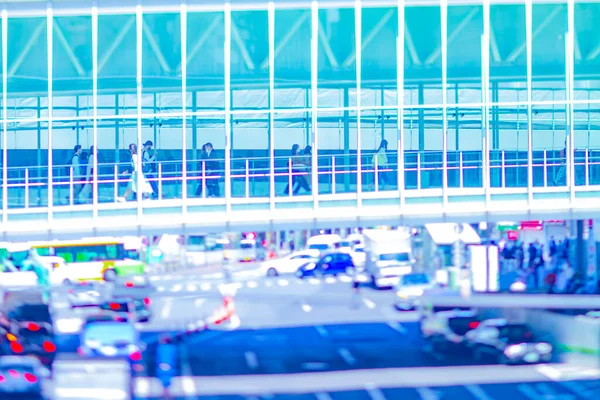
x,y
491,96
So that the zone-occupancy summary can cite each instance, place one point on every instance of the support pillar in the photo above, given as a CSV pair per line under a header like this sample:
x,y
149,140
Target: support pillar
x,y
421,121
347,141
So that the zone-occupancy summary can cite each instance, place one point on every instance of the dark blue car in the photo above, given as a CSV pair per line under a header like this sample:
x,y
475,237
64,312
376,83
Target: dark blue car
x,y
330,264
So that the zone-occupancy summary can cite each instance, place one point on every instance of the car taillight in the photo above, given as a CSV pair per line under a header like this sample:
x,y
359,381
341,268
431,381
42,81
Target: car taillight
x,y
33,327
49,347
31,378
114,306
147,301
135,356
13,373
80,351
473,325
16,347
2,379
129,284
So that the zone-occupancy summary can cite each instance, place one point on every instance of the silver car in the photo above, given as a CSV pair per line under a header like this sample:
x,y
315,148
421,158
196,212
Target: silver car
x,y
22,375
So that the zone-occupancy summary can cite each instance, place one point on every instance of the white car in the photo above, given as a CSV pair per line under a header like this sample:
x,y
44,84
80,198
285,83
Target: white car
x,y
359,257
409,290
288,264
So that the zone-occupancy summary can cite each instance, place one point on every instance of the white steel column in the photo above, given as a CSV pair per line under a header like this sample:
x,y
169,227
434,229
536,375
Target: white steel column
x,y
139,23
49,25
271,21
4,111
570,77
485,99
443,47
95,110
314,93
184,182
358,45
400,99
227,62
528,28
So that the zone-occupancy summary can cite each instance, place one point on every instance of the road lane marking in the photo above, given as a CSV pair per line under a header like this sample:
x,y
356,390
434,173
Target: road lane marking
x,y
251,360
370,304
205,286
199,302
142,387
176,288
154,278
477,392
306,307
160,288
252,284
345,278
314,281
191,288
268,283
323,396
283,282
330,280
347,356
374,392
427,394
166,310
188,385
397,327
321,331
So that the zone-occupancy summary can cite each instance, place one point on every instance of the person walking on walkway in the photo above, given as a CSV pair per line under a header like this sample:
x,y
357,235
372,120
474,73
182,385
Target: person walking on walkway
x,y
136,179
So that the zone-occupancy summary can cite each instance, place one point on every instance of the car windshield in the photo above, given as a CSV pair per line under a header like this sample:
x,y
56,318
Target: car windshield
x,y
415,279
394,257
110,332
32,312
345,244
517,334
359,250
115,306
319,246
246,246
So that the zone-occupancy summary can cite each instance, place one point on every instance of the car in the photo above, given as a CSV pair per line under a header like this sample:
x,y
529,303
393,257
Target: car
x,y
22,375
246,251
507,343
444,328
112,340
359,256
410,288
330,264
29,313
288,264
103,316
136,287
31,339
85,294
129,309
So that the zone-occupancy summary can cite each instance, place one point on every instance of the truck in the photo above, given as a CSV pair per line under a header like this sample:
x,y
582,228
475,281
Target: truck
x,y
388,256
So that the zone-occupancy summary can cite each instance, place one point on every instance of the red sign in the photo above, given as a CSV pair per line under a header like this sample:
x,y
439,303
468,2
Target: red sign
x,y
513,235
531,225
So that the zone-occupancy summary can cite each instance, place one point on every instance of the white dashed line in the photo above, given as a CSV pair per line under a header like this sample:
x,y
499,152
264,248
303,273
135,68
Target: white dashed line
x,y
176,288
189,388
345,278
427,394
321,331
198,302
330,280
374,392
314,281
370,304
160,288
306,307
154,278
251,359
166,310
347,356
283,282
191,288
397,327
268,284
251,284
205,287
477,392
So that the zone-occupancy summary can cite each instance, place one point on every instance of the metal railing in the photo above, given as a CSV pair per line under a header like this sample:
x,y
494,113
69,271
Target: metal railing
x,y
335,173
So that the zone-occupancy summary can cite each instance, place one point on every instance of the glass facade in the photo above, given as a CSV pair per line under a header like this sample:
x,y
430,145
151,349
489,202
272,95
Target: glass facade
x,y
470,98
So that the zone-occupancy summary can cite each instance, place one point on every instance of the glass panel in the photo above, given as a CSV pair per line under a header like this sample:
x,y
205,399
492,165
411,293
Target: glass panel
x,y
379,57
117,66
337,79
250,141
549,136
508,153
27,68
249,50
72,143
27,164
114,137
422,68
205,80
465,27
508,53
337,136
379,149
464,142
423,148
72,66
292,58
204,177
586,123
161,60
293,152
548,52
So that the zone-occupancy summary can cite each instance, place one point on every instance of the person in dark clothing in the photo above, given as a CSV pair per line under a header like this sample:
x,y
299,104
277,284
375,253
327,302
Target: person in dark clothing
x,y
149,166
298,167
201,170
212,171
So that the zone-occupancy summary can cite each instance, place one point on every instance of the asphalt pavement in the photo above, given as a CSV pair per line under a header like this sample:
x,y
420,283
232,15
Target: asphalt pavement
x,y
315,339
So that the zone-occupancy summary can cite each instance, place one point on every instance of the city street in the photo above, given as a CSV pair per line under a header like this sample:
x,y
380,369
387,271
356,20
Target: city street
x,y
312,339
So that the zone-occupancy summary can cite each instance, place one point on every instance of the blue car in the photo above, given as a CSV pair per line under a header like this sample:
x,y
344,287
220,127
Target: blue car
x,y
113,339
330,264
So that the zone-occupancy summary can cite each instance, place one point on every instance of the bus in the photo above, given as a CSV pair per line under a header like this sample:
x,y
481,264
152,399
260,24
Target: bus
x,y
90,259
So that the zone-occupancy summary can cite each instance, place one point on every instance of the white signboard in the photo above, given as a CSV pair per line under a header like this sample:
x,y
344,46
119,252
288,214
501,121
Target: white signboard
x,y
484,268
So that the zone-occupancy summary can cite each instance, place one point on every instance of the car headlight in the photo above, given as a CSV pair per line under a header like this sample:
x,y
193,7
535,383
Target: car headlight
x,y
515,350
93,344
543,348
402,295
108,350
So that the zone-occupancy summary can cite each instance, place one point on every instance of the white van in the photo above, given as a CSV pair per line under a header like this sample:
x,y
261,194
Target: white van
x,y
324,243
247,251
388,256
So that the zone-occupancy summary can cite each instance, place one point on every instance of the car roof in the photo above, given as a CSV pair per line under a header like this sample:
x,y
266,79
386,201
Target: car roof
x,y
308,252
